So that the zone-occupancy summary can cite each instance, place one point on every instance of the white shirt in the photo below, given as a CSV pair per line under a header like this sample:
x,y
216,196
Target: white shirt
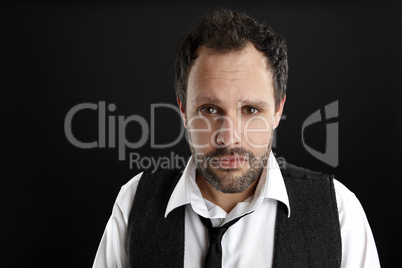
x,y
251,239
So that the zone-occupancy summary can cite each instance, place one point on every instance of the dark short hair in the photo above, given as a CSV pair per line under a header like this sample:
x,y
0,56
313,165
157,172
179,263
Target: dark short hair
x,y
227,30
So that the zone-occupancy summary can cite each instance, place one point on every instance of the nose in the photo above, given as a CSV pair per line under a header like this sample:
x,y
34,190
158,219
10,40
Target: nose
x,y
228,132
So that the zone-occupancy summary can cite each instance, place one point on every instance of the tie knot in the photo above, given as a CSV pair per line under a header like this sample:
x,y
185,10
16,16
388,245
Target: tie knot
x,y
216,233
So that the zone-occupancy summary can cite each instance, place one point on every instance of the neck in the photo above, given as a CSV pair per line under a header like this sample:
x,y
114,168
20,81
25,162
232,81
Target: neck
x,y
226,201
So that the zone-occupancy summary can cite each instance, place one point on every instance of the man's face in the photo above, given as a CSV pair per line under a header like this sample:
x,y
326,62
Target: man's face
x,y
230,116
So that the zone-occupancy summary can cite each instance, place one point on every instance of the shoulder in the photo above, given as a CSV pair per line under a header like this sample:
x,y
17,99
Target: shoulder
x,y
349,207
126,195
358,245
292,171
343,193
352,217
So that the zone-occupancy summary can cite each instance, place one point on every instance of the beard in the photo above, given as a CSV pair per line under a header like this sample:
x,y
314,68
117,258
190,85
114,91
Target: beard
x,y
226,180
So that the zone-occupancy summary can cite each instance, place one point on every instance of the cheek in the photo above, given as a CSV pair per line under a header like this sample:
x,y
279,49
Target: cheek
x,y
257,132
200,131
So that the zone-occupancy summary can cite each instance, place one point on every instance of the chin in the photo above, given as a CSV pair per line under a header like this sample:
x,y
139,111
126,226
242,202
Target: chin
x,y
231,181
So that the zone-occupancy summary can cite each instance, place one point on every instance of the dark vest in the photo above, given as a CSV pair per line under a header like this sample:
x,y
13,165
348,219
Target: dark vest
x,y
310,237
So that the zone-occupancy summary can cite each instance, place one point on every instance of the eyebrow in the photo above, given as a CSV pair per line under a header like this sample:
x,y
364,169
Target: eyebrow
x,y
208,99
255,103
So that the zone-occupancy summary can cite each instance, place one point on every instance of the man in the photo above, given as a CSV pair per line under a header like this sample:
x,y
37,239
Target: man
x,y
233,206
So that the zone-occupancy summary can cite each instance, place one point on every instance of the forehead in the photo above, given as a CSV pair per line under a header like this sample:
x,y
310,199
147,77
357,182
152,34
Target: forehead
x,y
209,59
238,75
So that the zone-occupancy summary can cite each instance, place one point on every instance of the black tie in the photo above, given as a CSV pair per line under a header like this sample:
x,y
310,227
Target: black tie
x,y
214,254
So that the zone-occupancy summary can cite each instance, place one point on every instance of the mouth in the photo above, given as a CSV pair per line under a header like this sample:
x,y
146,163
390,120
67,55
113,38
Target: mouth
x,y
232,162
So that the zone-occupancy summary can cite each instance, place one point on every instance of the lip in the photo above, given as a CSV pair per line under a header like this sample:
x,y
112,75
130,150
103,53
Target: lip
x,y
231,161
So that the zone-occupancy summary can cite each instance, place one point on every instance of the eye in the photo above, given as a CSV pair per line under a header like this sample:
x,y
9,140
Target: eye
x,y
250,110
208,110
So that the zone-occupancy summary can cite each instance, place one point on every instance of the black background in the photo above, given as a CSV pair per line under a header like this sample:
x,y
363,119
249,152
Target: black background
x,y
57,198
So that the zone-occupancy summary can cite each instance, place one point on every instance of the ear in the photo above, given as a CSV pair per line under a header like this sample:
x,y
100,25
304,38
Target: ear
x,y
182,112
278,112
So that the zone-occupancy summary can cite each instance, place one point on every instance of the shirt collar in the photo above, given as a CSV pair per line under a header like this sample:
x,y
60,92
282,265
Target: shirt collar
x,y
272,186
